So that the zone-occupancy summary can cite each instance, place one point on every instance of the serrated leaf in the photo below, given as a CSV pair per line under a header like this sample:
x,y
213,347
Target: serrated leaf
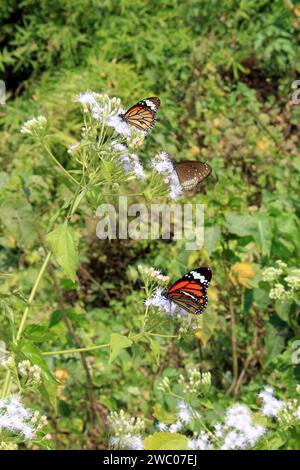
x,y
117,343
64,246
166,441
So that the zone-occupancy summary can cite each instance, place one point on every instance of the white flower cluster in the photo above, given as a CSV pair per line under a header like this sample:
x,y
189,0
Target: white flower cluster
x,y
162,164
185,415
99,105
286,285
127,432
164,385
270,404
153,273
136,138
195,381
7,363
159,301
34,125
286,412
200,442
239,431
130,161
17,420
271,274
31,374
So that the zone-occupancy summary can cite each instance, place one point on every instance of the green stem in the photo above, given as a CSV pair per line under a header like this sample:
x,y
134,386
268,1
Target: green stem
x,y
7,381
32,295
75,350
66,173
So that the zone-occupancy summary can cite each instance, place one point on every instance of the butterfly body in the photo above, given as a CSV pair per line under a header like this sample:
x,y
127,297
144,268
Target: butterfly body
x,y
142,115
191,174
190,292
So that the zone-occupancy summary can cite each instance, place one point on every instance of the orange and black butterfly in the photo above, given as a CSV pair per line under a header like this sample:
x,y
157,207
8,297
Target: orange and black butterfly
x,y
191,174
189,292
142,115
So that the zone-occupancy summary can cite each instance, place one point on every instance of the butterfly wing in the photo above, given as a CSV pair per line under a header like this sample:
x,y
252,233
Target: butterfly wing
x,y
142,115
190,174
189,292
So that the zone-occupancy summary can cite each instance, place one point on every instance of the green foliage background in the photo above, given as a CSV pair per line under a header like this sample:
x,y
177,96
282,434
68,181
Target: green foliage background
x,y
223,71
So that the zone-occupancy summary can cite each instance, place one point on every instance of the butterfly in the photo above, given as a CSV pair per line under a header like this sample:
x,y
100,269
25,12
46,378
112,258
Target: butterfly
x,y
189,292
142,115
191,174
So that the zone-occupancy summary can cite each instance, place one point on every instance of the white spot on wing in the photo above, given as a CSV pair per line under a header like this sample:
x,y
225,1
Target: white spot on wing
x,y
198,276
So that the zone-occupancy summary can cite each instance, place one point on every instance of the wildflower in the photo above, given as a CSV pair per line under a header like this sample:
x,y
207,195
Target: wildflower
x,y
35,124
72,148
130,161
120,126
271,405
153,273
7,363
31,374
218,430
160,302
293,282
126,430
278,292
136,138
162,427
195,381
281,264
162,164
200,442
176,427
186,413
99,105
14,418
271,274
164,386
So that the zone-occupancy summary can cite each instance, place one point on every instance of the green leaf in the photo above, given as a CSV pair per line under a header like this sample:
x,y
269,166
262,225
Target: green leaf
x,y
55,318
162,415
155,348
64,246
117,343
49,392
34,355
166,441
38,333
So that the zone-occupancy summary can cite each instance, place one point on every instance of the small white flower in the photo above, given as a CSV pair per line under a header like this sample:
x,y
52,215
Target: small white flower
x,y
119,125
175,427
162,427
158,301
35,124
162,164
271,405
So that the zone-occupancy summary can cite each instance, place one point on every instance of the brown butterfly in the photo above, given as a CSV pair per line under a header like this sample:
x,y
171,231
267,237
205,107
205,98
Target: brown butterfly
x,y
142,115
191,174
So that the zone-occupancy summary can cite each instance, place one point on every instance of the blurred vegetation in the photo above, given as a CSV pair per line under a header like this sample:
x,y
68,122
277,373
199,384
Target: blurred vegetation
x,y
223,71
